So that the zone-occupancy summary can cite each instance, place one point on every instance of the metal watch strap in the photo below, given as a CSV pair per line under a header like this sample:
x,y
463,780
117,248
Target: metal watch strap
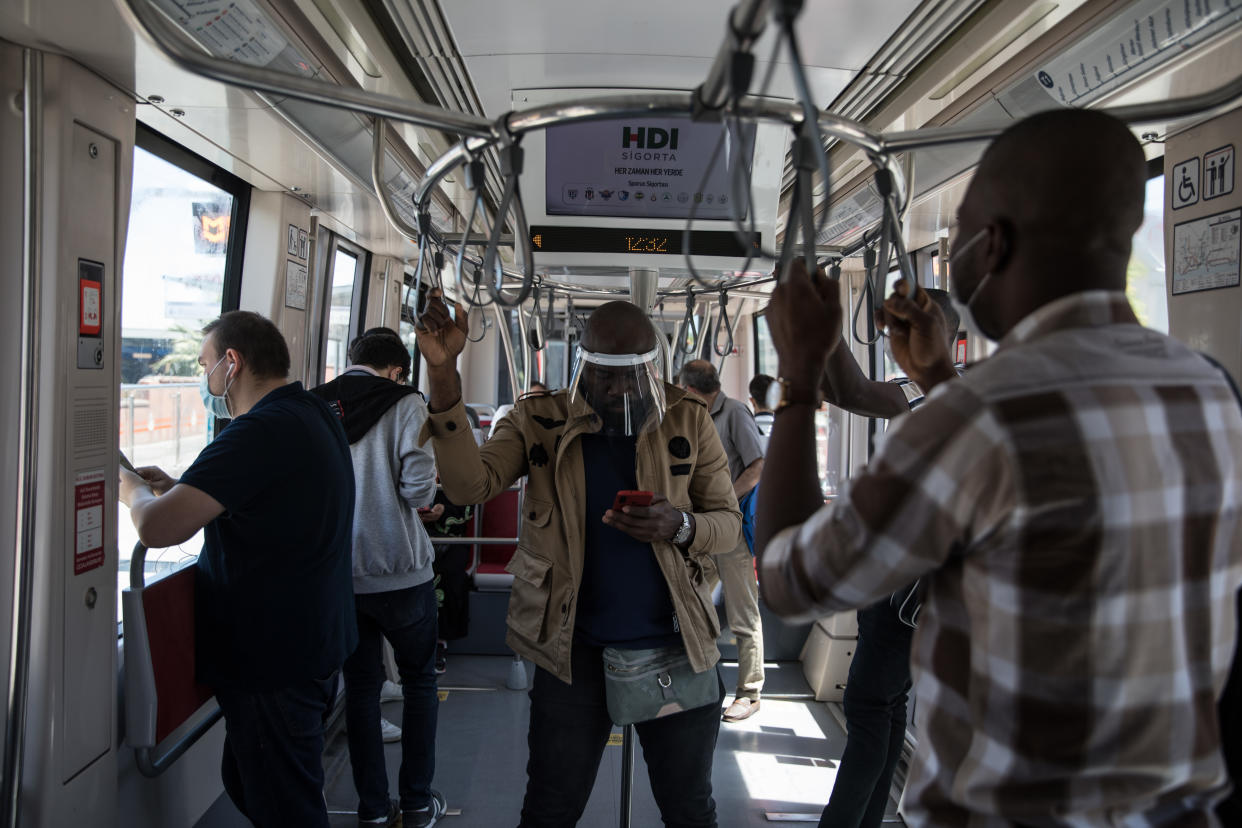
x,y
683,534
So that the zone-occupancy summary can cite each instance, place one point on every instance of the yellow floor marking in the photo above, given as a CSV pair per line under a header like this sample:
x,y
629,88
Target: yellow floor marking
x,y
614,739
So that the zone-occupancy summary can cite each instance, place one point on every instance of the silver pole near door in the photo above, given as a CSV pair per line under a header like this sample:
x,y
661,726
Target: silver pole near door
x,y
32,265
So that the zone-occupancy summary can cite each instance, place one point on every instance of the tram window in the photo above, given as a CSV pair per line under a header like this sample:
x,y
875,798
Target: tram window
x,y
830,422
765,351
1146,287
346,304
555,363
409,308
182,259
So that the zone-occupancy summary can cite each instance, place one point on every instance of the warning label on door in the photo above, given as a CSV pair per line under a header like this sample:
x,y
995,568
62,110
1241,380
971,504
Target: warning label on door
x,y
88,509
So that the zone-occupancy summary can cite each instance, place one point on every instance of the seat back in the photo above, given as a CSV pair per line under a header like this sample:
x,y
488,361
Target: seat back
x,y
500,517
161,691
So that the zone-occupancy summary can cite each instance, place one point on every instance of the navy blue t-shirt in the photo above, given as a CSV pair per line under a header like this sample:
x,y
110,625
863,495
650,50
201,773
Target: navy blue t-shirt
x,y
274,597
623,598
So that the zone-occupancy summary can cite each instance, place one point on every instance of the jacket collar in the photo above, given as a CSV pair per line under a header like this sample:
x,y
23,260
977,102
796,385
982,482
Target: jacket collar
x,y
1086,309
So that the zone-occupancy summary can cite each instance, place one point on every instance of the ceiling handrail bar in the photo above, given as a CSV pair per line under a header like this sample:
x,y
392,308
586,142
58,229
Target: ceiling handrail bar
x,y
190,56
1133,114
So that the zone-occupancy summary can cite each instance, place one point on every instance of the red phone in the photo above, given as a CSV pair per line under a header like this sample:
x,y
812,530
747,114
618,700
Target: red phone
x,y
631,498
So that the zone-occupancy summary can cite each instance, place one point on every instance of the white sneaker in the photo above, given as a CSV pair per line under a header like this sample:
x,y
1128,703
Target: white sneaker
x,y
390,731
391,691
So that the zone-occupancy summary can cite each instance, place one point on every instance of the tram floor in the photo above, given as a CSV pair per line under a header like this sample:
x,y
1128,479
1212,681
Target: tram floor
x,y
781,760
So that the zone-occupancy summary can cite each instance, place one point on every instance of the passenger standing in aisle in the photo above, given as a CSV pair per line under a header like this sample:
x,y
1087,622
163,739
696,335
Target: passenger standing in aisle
x,y
394,589
587,577
1074,503
879,681
740,437
759,385
274,606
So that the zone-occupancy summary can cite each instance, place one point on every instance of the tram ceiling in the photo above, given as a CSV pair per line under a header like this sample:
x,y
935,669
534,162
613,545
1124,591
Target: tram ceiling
x,y
505,133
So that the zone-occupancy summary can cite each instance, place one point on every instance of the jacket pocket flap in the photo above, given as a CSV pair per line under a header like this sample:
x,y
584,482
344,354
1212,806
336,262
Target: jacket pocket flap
x,y
536,512
529,568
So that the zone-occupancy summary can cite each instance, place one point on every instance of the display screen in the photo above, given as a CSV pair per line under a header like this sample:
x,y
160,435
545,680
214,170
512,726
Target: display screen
x,y
643,168
636,240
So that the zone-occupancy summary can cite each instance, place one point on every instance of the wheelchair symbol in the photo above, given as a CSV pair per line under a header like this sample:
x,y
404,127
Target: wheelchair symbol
x,y
1186,183
1185,189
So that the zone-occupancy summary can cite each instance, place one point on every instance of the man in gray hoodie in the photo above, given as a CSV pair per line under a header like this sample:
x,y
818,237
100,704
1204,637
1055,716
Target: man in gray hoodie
x,y
393,582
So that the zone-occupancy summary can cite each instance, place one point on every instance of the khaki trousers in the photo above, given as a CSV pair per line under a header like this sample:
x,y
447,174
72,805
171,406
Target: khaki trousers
x,y
741,598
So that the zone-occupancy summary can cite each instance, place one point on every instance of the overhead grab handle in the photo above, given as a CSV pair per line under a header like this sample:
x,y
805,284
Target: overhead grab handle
x,y
687,341
723,321
511,162
534,324
892,232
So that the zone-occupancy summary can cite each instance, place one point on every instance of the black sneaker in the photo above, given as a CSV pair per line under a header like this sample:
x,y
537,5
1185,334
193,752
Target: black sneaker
x,y
441,657
426,817
393,820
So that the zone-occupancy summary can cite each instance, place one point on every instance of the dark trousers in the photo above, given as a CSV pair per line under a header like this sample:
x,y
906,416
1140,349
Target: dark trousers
x,y
569,726
273,747
875,713
407,618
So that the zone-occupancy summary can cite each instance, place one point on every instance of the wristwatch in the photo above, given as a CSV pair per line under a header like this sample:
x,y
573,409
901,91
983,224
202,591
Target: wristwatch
x,y
783,393
683,534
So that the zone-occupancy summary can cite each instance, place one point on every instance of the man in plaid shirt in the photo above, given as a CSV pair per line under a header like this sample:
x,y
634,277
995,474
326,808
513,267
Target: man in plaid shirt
x,y
1072,505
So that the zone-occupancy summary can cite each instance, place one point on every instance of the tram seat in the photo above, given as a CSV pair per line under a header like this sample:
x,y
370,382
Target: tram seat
x,y
161,692
500,517
827,653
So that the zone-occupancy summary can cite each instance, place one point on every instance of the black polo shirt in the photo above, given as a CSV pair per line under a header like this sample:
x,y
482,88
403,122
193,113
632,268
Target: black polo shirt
x,y
274,592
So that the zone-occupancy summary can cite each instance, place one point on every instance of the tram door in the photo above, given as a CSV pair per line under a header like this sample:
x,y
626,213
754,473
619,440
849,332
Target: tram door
x,y
66,261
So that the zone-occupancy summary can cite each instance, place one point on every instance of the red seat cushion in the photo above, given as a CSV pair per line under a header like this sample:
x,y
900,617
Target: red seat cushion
x,y
500,520
169,608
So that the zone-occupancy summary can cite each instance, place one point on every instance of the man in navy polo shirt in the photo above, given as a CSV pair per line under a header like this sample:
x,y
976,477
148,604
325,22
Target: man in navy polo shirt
x,y
274,601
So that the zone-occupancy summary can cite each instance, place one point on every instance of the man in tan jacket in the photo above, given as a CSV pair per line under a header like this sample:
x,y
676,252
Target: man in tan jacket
x,y
587,577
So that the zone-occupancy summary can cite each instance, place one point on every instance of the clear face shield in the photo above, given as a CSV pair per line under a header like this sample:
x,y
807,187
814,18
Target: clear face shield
x,y
623,389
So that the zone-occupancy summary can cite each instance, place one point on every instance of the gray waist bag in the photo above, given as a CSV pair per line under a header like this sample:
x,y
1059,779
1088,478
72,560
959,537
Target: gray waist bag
x,y
642,685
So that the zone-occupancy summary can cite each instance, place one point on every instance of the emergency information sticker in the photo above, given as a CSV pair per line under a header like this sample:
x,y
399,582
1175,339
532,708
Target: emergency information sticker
x,y
91,320
88,509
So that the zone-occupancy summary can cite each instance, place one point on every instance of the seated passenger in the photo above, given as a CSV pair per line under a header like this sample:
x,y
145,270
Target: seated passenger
x,y
879,678
1073,504
274,607
446,519
536,387
394,593
587,577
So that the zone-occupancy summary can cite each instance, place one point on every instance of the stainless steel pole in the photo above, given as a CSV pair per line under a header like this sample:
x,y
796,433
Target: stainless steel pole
x,y
27,479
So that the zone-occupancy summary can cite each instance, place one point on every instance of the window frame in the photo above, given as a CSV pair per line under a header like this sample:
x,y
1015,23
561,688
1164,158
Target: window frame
x,y
407,314
169,151
165,148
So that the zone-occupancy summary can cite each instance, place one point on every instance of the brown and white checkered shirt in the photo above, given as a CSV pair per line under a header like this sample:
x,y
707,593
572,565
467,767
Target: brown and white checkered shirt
x,y
1073,506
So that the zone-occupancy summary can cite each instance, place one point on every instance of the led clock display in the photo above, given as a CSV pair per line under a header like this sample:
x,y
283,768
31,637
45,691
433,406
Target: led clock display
x,y
643,242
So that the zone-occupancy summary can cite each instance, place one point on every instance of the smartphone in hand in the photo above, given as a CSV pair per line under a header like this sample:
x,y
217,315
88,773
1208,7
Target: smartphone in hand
x,y
631,498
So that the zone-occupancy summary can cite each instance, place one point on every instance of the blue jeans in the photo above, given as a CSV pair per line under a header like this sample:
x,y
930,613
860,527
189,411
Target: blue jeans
x,y
407,618
569,727
273,747
875,713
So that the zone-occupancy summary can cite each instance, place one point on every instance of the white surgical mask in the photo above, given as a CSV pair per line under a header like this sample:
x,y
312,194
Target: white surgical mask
x,y
964,308
217,404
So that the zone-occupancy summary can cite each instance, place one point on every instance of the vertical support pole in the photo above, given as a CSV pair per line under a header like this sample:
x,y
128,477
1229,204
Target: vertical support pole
x,y
129,406
23,576
177,427
627,773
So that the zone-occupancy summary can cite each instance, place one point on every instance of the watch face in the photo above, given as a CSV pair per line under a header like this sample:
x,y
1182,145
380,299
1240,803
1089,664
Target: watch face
x,y
775,391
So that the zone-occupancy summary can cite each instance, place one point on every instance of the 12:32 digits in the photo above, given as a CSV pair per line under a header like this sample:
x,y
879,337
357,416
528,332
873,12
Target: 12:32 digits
x,y
646,244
